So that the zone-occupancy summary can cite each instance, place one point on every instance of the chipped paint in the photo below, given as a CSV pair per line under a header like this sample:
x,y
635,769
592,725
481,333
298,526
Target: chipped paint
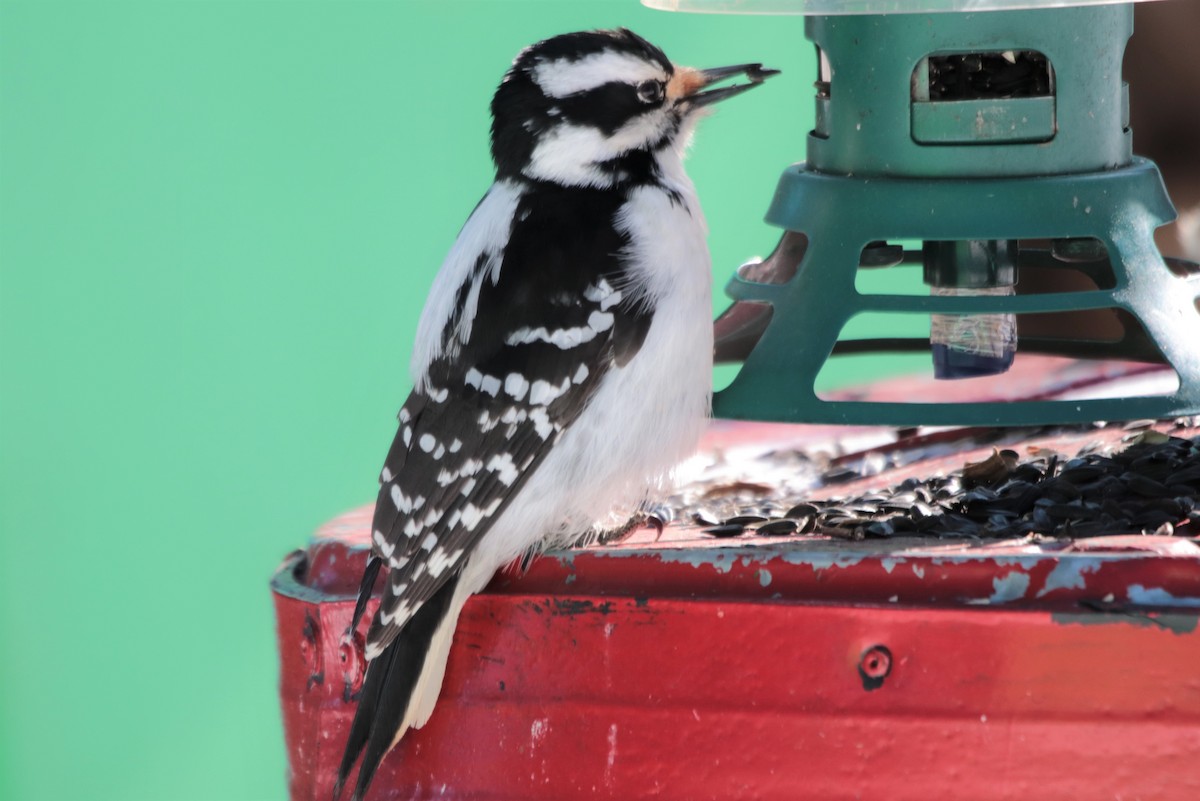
x,y
1174,622
1023,561
1068,574
537,731
1156,596
720,559
724,559
823,560
1009,587
611,759
764,577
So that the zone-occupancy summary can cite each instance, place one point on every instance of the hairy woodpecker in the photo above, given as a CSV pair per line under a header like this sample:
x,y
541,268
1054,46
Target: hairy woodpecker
x,y
563,361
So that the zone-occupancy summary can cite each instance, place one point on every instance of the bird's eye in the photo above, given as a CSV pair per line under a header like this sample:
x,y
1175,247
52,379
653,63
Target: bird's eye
x,y
650,91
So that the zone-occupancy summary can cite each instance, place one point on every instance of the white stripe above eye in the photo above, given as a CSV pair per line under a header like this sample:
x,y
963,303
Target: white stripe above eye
x,y
563,76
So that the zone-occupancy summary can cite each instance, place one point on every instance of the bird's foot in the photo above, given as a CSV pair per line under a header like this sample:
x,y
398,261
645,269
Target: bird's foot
x,y
609,536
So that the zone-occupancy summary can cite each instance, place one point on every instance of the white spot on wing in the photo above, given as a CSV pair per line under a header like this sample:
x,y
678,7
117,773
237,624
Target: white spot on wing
x,y
401,501
516,385
600,321
541,422
564,338
502,465
439,560
471,515
490,385
512,415
602,292
399,616
543,393
385,548
427,442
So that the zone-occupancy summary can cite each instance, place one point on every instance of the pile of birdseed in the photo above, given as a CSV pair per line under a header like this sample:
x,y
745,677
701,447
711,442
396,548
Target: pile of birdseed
x,y
1147,484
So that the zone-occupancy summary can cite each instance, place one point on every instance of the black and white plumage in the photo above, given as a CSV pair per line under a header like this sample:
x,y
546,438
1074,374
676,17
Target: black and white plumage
x,y
562,363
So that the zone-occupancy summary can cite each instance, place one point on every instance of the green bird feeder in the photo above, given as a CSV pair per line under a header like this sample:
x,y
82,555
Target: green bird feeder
x,y
995,135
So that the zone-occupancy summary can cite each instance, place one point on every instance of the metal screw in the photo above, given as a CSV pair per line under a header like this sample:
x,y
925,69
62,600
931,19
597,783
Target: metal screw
x,y
874,666
351,652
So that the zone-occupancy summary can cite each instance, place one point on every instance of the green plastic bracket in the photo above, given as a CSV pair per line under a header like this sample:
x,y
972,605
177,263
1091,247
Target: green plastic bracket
x,y
888,163
877,109
1026,119
777,380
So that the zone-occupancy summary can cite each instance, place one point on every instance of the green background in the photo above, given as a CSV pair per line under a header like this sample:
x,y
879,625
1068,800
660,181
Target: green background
x,y
217,224
218,221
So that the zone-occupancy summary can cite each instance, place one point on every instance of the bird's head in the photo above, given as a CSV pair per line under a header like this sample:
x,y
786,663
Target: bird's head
x,y
595,108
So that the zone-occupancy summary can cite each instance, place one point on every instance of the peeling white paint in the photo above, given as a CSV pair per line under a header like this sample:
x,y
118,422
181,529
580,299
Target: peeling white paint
x,y
537,731
720,559
823,560
1157,596
1068,574
1011,586
612,755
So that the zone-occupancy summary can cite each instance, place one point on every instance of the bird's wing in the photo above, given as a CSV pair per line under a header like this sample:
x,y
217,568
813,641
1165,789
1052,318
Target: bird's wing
x,y
536,328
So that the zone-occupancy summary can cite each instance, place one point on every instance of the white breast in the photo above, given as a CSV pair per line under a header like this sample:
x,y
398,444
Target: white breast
x,y
653,410
646,416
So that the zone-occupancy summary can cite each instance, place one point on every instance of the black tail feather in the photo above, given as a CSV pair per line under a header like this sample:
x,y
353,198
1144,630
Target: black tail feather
x,y
360,729
364,590
387,691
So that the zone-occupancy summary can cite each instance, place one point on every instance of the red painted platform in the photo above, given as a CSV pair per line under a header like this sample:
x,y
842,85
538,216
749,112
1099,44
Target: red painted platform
x,y
791,668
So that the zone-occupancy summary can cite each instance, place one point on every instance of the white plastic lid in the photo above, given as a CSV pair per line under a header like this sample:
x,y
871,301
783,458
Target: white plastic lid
x,y
865,6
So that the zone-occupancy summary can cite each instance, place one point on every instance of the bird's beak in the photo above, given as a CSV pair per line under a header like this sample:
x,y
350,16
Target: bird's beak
x,y
688,83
